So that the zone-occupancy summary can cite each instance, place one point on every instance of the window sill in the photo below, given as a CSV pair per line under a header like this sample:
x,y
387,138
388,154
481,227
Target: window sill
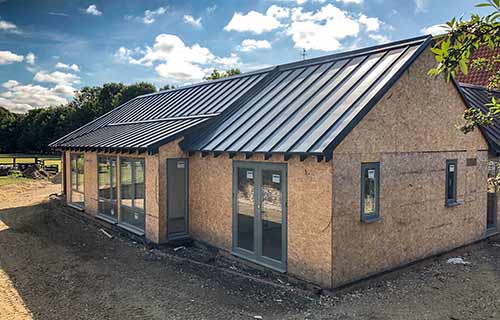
x,y
371,219
106,218
76,207
452,204
131,228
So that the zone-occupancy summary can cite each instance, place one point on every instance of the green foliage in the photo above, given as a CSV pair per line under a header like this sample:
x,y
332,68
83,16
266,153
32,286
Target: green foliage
x,y
453,52
33,131
216,74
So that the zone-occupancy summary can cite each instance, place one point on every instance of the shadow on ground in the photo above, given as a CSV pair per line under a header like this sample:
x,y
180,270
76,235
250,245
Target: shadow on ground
x,y
64,268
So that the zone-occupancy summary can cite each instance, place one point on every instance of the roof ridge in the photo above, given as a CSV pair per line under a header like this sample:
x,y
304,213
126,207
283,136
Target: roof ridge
x,y
306,62
356,52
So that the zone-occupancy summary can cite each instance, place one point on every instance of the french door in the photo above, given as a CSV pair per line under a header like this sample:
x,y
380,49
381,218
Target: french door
x,y
259,213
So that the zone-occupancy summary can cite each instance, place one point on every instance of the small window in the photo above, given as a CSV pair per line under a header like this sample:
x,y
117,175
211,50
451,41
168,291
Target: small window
x,y
370,191
451,182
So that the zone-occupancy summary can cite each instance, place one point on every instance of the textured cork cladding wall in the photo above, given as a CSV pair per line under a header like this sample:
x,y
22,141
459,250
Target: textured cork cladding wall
x,y
90,188
411,132
309,210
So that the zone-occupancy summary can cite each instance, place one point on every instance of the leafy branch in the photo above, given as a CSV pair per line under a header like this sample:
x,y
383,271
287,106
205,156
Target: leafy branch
x,y
453,52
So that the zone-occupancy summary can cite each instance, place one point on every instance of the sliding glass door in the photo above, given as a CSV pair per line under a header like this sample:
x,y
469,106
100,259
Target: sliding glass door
x,y
259,223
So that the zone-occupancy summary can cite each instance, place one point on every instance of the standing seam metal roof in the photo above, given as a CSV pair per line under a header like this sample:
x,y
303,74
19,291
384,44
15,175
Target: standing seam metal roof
x,y
309,107
477,97
205,100
304,107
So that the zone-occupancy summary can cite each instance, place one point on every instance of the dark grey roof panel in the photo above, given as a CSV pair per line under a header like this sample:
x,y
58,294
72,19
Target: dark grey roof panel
x,y
207,98
310,105
133,136
306,107
477,97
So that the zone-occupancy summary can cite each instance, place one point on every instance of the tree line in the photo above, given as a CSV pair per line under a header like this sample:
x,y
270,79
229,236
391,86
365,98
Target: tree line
x,y
32,131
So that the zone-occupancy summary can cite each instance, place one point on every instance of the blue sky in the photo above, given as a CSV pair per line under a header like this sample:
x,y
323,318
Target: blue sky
x,y
50,48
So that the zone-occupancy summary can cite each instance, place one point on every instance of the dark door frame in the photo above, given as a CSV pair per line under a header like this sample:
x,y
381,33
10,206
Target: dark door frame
x,y
494,209
256,255
184,234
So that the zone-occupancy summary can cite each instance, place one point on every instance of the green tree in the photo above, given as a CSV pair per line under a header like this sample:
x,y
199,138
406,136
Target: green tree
x,y
132,91
216,74
34,130
454,50
7,129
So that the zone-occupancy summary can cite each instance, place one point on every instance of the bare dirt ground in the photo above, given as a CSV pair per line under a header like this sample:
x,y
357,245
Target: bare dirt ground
x,y
56,266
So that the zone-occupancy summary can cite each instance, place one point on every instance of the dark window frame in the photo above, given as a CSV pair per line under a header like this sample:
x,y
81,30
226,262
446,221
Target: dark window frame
x,y
375,216
133,208
450,202
114,189
75,157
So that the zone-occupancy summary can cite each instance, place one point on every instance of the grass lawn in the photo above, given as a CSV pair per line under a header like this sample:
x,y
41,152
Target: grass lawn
x,y
28,158
13,179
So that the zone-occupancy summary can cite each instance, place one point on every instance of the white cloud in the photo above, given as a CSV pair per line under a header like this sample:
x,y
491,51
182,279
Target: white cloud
x,y
176,61
278,12
150,15
252,44
73,67
180,71
323,29
379,38
421,5
8,26
30,58
8,57
21,98
228,62
256,22
92,9
10,84
351,1
57,77
192,21
435,29
64,90
127,55
171,47
371,24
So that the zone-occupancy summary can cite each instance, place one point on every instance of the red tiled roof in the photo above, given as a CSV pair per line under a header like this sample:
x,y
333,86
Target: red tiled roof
x,y
475,76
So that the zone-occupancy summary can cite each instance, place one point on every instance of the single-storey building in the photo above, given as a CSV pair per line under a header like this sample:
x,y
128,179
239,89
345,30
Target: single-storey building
x,y
329,169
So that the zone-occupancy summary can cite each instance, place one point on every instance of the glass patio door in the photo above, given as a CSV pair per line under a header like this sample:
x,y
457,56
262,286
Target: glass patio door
x,y
259,224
